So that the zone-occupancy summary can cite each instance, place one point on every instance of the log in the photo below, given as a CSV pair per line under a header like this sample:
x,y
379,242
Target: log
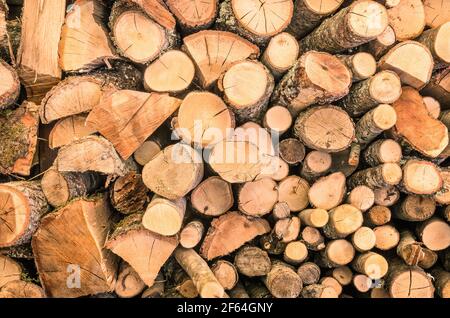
x,y
386,196
195,15
361,64
371,264
361,197
252,261
328,192
18,139
442,282
256,21
158,11
436,12
364,239
191,234
319,291
316,78
337,253
362,283
442,197
316,164
143,42
128,194
383,151
414,253
292,151
287,230
415,208
37,64
212,197
309,13
61,187
384,175
277,120
417,75
21,289
382,43
309,273
421,177
314,217
204,126
247,87
377,215
10,89
163,216
277,169
128,283
374,123
84,41
382,88
280,211
91,153
312,238
23,204
435,41
69,129
346,161
343,274
294,191
202,276
146,152
282,281
295,253
229,49
229,232
56,246
387,237
11,270
407,19
184,284
325,128
280,54
174,171
257,198
331,282
439,87
135,245
359,23
225,273
434,233
344,220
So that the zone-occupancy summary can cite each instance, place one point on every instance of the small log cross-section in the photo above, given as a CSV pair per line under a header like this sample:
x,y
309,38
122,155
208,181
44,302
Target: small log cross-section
x,y
328,192
407,19
70,241
145,251
193,15
37,64
281,53
121,116
229,232
212,197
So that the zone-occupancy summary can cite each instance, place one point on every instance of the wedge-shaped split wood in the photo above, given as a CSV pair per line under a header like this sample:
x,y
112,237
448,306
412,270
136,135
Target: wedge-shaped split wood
x,y
69,129
193,15
157,10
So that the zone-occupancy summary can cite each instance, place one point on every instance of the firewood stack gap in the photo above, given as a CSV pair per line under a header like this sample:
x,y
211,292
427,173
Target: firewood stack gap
x,y
232,148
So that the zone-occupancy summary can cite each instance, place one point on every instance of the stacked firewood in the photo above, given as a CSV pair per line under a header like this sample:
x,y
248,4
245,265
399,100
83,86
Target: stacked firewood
x,y
236,148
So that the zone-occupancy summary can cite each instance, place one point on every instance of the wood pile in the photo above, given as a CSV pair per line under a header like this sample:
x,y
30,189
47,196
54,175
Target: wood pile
x,y
233,148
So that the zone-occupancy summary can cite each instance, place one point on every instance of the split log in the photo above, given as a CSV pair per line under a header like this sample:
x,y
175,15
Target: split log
x,y
314,217
91,153
337,253
315,165
383,151
312,238
277,119
212,197
405,281
294,191
382,43
386,196
295,253
415,208
361,197
280,54
228,48
325,128
11,270
434,233
246,87
204,126
21,289
442,282
280,211
416,75
309,13
84,41
407,19
18,139
371,264
254,20
387,237
119,117
361,64
359,23
69,129
413,252
38,64
10,88
282,281
136,245
316,78
163,216
319,291
328,192
23,204
191,234
157,10
292,151
436,12
331,282
421,177
61,187
309,273
257,198
56,245
374,123
384,175
230,231
252,261
287,230
377,215
128,283
145,40
225,273
174,171
439,87
205,281
344,220
436,41
364,239
382,88
343,274
195,15
128,194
